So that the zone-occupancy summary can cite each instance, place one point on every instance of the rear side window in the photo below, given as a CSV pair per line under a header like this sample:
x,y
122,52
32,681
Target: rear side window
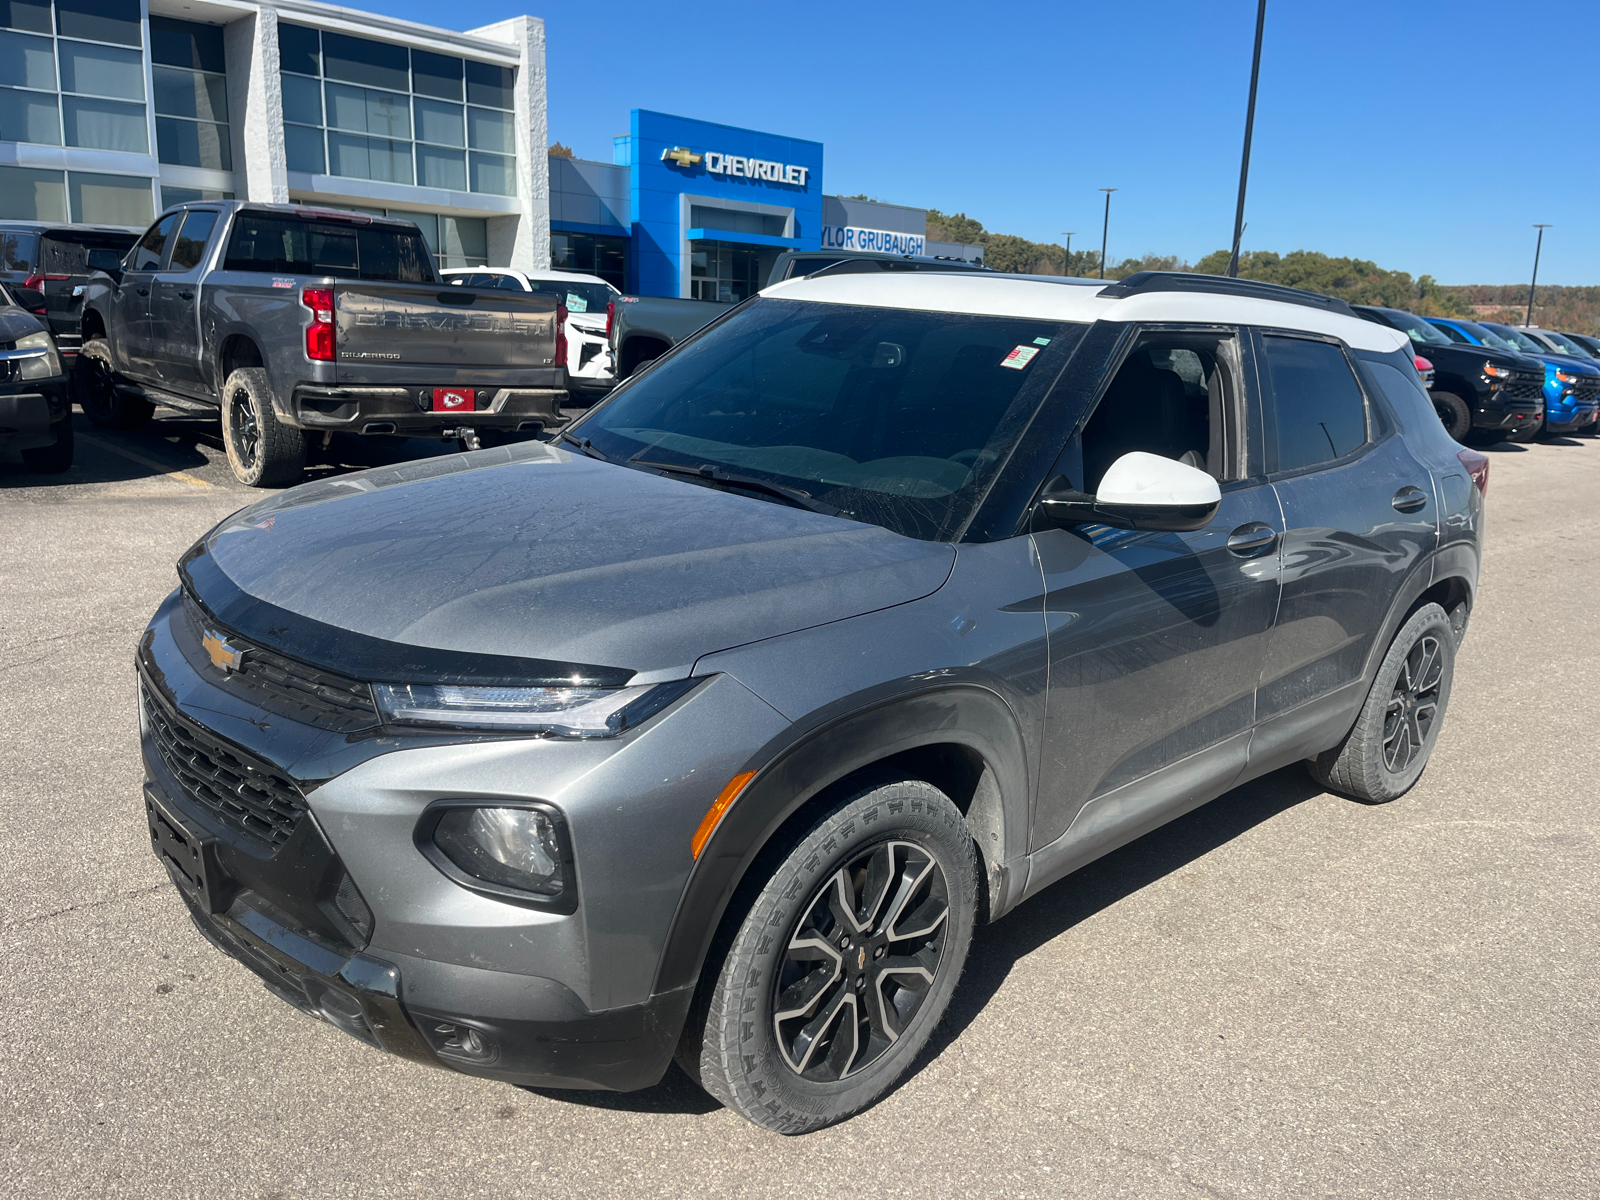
x,y
191,243
17,251
1319,409
290,246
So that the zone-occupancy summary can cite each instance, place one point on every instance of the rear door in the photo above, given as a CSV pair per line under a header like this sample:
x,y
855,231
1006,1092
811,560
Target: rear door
x,y
175,306
1360,515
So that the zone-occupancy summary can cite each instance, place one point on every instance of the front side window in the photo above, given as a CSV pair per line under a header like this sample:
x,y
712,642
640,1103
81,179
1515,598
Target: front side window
x,y
1319,409
152,247
1515,339
894,417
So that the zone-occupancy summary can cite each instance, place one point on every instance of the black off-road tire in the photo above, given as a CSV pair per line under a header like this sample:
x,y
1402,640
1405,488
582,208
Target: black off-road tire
x,y
262,451
94,380
868,970
55,458
1388,748
1453,414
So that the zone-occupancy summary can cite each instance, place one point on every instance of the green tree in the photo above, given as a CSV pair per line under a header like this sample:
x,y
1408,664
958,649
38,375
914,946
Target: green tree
x,y
958,228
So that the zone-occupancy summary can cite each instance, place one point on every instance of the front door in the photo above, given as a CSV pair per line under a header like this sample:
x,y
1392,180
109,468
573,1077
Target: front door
x,y
130,299
175,308
1359,513
1156,640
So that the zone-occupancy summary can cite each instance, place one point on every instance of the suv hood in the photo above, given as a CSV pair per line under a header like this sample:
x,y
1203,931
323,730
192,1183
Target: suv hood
x,y
534,552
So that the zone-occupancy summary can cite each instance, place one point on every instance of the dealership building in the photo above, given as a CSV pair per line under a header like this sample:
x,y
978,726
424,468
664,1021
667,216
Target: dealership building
x,y
113,109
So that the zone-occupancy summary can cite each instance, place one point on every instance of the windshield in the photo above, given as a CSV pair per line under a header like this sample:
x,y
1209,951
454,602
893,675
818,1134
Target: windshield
x,y
894,417
1563,342
1590,346
1514,340
1486,335
1418,330
579,297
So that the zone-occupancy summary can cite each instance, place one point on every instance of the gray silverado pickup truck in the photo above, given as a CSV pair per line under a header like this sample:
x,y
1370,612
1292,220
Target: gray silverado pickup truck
x,y
644,328
297,323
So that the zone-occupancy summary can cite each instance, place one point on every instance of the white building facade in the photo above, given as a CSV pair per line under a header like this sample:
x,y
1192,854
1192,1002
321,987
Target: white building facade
x,y
110,110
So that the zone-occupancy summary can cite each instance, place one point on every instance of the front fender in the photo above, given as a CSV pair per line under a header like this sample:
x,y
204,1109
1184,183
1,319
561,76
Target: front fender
x,y
838,741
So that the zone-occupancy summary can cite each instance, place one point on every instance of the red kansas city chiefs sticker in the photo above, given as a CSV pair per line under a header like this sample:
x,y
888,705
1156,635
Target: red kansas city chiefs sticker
x,y
452,399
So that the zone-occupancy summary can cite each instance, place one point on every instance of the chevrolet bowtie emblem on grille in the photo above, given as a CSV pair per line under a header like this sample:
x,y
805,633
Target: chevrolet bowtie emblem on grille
x,y
681,156
223,656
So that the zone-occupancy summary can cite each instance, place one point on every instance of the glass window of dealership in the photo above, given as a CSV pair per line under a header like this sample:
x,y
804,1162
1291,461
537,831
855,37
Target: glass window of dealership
x,y
108,110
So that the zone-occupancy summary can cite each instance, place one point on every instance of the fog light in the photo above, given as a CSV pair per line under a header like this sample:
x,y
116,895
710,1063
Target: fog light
x,y
509,852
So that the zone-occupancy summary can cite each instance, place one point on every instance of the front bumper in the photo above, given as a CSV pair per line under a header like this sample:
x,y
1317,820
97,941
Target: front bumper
x,y
30,411
409,411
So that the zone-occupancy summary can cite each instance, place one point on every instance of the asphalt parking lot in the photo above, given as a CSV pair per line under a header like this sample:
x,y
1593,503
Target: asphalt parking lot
x,y
1283,994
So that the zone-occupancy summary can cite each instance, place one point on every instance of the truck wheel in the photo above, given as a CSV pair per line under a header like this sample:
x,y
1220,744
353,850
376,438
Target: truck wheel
x,y
262,451
95,380
53,459
1454,413
845,963
1385,753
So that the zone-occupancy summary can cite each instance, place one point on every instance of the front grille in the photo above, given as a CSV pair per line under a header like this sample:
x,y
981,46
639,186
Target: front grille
x,y
245,792
1524,388
290,688
1585,391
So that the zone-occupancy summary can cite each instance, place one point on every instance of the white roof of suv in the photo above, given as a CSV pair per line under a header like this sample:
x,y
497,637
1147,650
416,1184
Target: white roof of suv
x,y
1081,301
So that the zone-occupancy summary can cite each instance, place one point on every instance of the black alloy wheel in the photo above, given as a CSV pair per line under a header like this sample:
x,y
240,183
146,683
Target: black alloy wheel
x,y
94,384
860,961
1413,705
246,433
1454,414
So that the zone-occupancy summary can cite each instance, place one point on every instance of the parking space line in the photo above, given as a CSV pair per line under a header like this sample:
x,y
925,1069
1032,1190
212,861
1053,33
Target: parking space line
x,y
180,476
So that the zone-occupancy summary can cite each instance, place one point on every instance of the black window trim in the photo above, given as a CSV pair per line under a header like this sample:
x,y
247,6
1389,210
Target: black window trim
x,y
1378,429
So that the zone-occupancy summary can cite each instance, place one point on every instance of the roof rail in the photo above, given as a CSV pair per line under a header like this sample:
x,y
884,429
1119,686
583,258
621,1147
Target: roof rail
x,y
1179,281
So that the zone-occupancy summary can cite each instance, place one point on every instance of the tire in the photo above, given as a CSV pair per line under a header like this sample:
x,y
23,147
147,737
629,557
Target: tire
x,y
262,451
1385,753
94,380
1453,413
798,1073
55,458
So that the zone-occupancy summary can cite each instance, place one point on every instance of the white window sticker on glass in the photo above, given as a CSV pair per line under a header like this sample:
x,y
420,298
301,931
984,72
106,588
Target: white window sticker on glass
x,y
576,303
1019,357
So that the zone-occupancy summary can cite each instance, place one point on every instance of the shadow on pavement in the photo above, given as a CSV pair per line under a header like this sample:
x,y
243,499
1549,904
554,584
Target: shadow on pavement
x,y
997,948
1503,448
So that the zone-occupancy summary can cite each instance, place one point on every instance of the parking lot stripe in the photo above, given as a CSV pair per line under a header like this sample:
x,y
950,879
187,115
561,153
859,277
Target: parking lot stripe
x,y
180,476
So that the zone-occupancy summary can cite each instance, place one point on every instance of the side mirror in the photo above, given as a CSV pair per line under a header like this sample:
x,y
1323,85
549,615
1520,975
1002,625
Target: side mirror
x,y
1140,491
31,299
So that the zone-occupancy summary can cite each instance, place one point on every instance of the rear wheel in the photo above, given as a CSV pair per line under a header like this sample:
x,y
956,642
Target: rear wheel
x,y
55,458
94,379
1453,413
1385,753
262,451
845,963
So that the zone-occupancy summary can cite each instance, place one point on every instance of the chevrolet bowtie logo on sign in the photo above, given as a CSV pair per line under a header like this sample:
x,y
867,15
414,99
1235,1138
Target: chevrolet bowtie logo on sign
x,y
223,656
682,156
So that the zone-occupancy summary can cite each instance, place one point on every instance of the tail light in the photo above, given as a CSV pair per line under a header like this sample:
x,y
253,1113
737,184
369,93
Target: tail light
x,y
561,335
1423,365
611,316
1477,466
319,334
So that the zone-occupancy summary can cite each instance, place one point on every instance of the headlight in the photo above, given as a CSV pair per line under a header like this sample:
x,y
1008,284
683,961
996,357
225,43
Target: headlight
x,y
34,357
1494,371
512,852
574,712
1566,376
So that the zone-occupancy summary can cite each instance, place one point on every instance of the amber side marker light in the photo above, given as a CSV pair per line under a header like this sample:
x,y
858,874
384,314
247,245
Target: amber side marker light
x,y
720,805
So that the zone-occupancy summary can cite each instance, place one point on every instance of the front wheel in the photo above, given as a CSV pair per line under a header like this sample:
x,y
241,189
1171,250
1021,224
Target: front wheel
x,y
1453,413
845,963
263,451
94,380
1385,753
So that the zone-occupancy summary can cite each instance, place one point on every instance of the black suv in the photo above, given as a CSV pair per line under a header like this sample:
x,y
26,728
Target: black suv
x,y
57,260
1480,393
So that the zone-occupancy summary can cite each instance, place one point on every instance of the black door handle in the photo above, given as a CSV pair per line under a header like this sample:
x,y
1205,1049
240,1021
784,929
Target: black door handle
x,y
1252,539
1409,499
185,295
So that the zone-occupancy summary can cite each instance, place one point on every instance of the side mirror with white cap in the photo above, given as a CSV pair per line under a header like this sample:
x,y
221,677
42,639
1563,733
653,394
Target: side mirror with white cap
x,y
1139,491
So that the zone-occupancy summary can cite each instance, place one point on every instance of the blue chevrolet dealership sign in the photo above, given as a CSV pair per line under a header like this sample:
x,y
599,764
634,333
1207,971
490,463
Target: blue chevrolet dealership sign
x,y
744,187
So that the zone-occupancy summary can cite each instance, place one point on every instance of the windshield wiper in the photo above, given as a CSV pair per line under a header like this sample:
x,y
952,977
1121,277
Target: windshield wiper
x,y
584,444
715,474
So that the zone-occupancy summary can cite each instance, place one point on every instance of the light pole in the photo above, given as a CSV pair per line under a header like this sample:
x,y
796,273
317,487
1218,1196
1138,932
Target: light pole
x,y
1066,263
1249,130
1537,246
1105,231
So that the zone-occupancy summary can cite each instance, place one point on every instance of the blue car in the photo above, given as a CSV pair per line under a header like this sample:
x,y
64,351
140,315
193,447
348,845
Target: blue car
x,y
1571,385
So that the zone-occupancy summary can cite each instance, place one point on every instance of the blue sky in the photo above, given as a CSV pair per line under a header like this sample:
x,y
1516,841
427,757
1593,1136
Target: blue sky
x,y
1425,136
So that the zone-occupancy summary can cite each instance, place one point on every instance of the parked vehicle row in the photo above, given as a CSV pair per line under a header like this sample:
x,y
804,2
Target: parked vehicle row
x,y
35,401
950,585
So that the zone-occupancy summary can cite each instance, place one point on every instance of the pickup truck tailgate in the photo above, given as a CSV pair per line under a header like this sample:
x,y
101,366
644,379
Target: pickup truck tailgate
x,y
409,324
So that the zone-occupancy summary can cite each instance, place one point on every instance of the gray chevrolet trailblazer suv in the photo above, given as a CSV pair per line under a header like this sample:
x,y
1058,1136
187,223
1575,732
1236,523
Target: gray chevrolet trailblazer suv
x,y
713,729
